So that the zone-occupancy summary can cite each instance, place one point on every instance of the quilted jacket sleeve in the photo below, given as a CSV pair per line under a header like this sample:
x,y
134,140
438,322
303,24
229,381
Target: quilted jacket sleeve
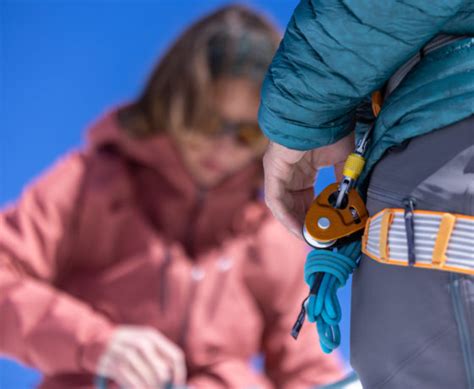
x,y
335,53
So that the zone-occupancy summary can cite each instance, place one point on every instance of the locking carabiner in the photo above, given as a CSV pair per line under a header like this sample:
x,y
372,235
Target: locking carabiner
x,y
339,210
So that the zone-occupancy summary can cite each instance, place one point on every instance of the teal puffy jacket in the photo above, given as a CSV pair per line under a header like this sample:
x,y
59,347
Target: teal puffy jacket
x,y
336,52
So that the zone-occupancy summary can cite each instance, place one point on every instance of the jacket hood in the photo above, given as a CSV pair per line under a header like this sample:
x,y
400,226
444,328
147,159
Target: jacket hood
x,y
199,218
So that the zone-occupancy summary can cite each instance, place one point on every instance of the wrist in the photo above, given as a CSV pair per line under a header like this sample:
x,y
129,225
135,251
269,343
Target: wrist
x,y
92,349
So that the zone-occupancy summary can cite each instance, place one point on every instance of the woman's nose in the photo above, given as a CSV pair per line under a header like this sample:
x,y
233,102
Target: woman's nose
x,y
225,142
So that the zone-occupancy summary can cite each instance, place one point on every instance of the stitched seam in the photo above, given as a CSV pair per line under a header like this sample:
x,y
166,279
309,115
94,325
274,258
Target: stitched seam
x,y
415,355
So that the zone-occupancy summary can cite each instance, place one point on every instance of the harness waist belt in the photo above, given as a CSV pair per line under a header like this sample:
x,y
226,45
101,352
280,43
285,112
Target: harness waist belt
x,y
443,241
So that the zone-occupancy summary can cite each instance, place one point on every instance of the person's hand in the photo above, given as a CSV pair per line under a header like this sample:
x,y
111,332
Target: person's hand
x,y
290,176
141,358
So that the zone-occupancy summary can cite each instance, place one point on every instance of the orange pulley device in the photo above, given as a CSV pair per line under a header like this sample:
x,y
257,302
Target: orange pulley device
x,y
325,224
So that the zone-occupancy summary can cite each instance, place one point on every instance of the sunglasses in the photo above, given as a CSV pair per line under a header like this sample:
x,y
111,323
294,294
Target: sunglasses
x,y
245,133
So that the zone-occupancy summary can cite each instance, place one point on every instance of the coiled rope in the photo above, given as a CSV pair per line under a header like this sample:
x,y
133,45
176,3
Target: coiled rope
x,y
322,307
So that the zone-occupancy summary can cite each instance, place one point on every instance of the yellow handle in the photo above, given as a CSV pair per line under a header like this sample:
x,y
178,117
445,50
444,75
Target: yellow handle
x,y
354,166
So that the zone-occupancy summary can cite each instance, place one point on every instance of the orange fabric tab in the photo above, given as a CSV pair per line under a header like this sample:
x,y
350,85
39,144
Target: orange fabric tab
x,y
387,219
377,101
442,240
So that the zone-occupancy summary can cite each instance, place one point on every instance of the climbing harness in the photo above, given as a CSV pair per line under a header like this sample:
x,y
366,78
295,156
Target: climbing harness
x,y
404,237
443,241
333,227
338,216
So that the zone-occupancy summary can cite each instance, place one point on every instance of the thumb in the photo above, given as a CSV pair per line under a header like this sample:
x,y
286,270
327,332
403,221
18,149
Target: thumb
x,y
338,170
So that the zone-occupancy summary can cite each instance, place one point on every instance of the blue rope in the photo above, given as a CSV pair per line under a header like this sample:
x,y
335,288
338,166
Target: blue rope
x,y
324,308
100,382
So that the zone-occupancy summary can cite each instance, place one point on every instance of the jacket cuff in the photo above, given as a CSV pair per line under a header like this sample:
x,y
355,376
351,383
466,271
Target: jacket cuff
x,y
297,137
93,348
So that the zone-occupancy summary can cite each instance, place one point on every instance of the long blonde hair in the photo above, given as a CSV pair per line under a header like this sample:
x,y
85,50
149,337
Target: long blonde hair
x,y
233,41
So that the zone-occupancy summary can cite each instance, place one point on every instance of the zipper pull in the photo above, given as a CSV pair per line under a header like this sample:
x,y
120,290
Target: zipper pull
x,y
409,216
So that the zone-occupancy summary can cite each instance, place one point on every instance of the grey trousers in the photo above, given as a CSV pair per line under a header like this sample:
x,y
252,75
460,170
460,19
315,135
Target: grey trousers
x,y
414,328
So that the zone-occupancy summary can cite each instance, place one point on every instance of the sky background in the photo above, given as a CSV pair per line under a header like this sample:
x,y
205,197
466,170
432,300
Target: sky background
x,y
62,63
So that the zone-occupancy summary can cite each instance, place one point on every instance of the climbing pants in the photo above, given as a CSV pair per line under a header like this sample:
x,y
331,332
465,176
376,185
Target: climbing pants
x,y
414,328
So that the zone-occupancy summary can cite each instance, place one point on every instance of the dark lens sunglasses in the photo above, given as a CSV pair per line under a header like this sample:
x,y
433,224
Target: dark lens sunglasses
x,y
246,133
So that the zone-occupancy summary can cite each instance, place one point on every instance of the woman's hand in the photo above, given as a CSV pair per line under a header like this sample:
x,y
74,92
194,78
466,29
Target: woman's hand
x,y
290,176
141,358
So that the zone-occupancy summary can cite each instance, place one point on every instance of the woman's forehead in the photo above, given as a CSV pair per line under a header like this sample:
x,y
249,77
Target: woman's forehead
x,y
237,99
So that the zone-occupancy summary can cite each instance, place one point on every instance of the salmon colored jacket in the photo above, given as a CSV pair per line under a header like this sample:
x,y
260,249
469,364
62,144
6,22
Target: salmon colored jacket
x,y
118,233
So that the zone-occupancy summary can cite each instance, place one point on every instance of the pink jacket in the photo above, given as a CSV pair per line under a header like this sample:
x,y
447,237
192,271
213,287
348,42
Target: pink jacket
x,y
118,233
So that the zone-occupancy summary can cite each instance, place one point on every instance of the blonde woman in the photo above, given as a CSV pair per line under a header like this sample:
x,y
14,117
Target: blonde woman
x,y
147,256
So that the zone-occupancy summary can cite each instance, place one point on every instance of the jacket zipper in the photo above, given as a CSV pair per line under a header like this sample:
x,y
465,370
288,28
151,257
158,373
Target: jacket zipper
x,y
197,274
190,237
463,327
224,266
164,281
